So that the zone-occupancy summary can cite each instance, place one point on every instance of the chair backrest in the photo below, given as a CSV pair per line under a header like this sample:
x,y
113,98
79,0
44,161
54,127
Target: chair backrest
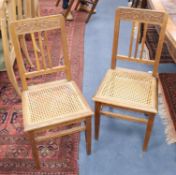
x,y
139,18
44,34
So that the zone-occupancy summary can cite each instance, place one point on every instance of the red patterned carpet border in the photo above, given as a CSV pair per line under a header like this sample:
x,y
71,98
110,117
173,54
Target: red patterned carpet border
x,y
151,40
58,156
168,82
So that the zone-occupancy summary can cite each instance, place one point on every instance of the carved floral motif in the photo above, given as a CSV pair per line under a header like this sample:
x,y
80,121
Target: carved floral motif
x,y
141,15
37,25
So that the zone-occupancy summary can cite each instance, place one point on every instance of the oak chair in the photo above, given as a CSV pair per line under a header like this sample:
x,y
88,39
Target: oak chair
x,y
129,89
47,105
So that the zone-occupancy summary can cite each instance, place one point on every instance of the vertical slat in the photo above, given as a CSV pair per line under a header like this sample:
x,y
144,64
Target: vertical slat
x,y
143,40
25,50
137,41
12,14
19,9
42,50
27,8
35,51
131,40
34,8
48,49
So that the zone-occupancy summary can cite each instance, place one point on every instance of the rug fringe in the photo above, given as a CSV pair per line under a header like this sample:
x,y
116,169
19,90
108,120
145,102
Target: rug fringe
x,y
166,118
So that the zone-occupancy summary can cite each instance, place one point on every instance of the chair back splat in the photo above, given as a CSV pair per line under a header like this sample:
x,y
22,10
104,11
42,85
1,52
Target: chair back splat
x,y
137,18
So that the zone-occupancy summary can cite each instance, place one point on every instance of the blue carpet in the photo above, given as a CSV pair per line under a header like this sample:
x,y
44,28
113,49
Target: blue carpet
x,y
119,149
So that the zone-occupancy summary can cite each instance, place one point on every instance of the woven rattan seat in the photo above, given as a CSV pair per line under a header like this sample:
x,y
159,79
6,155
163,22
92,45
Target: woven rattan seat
x,y
132,89
55,103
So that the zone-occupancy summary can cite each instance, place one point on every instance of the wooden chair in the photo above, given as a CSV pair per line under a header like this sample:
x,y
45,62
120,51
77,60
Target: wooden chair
x,y
49,104
93,4
11,11
69,7
130,89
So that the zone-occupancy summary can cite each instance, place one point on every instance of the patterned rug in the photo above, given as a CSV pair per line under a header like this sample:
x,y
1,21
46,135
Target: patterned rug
x,y
168,88
151,40
58,156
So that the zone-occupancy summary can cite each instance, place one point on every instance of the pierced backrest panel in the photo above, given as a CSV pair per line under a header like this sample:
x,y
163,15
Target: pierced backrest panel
x,y
135,23
43,40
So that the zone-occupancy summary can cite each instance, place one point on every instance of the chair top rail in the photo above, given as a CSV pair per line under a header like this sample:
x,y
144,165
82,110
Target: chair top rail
x,y
141,15
38,25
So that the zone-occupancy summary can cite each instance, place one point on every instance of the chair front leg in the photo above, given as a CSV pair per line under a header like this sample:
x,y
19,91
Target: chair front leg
x,y
88,134
97,119
148,131
34,149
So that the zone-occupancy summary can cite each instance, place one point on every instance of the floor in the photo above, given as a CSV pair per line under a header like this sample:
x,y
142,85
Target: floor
x,y
119,149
